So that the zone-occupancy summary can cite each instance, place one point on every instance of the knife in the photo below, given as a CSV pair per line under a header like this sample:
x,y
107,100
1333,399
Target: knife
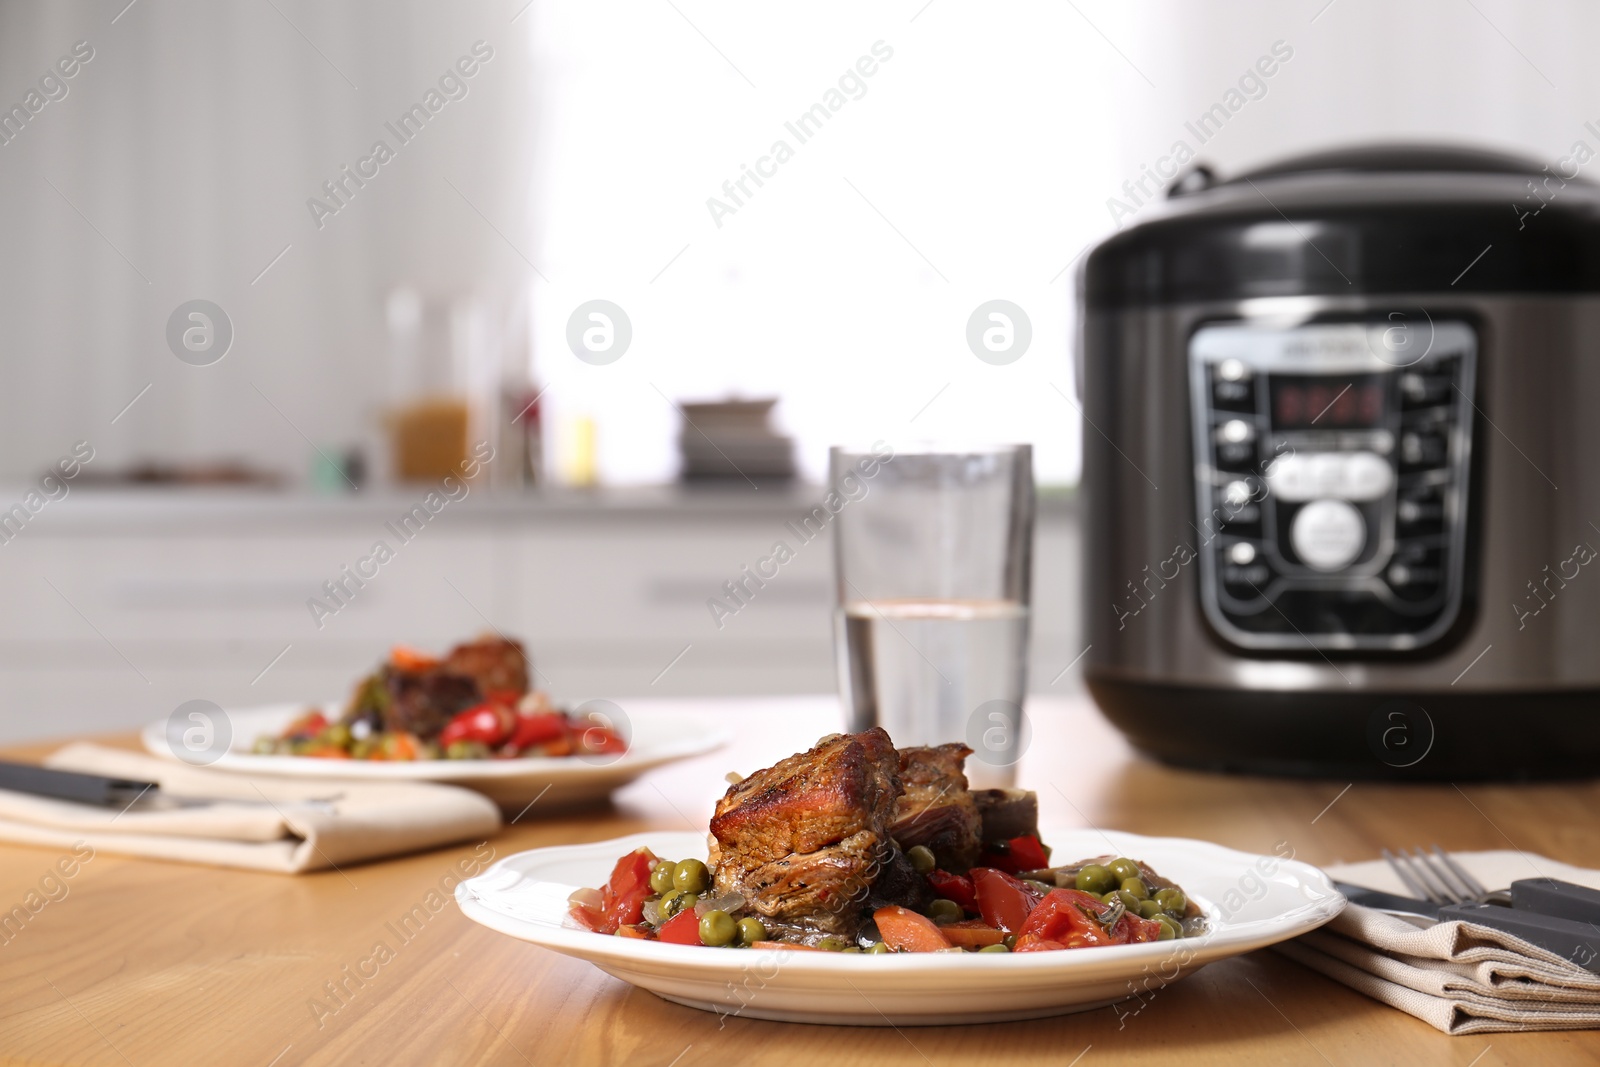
x,y
1570,938
123,793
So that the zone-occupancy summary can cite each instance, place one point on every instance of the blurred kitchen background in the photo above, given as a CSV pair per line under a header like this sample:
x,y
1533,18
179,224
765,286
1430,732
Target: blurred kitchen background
x,y
429,302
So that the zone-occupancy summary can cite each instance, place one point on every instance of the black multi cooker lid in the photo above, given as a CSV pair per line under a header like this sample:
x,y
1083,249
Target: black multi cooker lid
x,y
1371,219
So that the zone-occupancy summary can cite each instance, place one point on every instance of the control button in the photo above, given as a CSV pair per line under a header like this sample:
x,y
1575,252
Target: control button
x,y
1382,442
1420,389
1288,478
1253,577
1236,432
1366,476
1328,535
1346,475
1422,449
1241,552
1237,493
1232,386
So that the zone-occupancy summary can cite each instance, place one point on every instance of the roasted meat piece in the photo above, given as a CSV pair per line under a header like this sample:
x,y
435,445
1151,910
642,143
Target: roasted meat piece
x,y
804,839
1008,813
492,662
423,703
937,810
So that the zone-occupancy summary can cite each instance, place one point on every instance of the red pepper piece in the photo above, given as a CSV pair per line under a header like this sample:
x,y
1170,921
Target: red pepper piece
x,y
956,887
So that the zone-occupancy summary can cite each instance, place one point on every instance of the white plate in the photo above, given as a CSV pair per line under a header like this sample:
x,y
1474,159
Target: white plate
x,y
1251,901
657,739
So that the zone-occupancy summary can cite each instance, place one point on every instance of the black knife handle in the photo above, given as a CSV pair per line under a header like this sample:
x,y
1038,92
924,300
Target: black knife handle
x,y
1575,941
1551,896
65,785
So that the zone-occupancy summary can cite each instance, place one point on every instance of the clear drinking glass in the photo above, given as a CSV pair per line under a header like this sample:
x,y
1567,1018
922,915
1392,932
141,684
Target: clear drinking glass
x,y
933,553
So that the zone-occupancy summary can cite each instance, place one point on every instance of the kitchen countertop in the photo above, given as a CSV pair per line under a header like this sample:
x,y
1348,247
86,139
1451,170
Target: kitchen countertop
x,y
101,509
149,963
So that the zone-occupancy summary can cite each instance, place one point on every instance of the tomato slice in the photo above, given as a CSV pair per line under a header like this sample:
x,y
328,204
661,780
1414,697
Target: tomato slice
x,y
682,929
537,728
1066,916
906,931
623,896
1025,853
956,887
1035,943
1003,901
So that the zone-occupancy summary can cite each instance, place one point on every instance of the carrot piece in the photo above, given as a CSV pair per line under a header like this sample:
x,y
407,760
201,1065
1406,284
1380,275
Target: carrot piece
x,y
629,930
410,660
906,931
972,933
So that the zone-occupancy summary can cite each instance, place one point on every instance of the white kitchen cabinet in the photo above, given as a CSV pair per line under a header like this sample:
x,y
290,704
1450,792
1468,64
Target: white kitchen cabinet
x,y
124,605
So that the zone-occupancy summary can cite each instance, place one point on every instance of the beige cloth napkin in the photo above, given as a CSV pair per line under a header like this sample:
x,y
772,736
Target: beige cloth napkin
x,y
287,825
1458,977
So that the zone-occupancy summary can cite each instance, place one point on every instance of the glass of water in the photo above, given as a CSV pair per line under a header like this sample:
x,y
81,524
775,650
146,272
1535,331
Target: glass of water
x,y
933,554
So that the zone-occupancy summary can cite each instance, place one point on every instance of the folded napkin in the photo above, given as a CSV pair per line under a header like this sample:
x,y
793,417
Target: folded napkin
x,y
1458,977
286,825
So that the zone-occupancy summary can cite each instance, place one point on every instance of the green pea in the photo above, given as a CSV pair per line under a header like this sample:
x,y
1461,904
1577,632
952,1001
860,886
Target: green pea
x,y
691,876
661,877
1169,928
337,734
669,903
944,911
1129,901
922,858
1123,868
1010,942
878,948
1095,879
1172,900
1001,947
853,948
751,930
1137,887
832,944
717,928
1149,909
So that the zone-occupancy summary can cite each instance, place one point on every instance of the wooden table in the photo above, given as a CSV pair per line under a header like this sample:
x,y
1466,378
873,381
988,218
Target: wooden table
x,y
146,963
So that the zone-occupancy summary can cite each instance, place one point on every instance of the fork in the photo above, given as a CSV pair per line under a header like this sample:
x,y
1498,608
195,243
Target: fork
x,y
1439,879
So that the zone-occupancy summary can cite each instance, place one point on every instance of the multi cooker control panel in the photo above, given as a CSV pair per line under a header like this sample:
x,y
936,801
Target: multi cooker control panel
x,y
1331,464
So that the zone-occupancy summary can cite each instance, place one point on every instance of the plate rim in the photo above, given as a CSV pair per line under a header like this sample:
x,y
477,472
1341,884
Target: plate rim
x,y
704,738
1239,937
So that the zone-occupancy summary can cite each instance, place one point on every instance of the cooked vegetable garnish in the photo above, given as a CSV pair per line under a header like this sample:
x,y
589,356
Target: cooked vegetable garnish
x,y
808,854
472,704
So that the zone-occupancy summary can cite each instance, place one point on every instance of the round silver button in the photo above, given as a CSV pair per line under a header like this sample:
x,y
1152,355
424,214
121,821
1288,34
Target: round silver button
x,y
1328,535
1242,552
1235,431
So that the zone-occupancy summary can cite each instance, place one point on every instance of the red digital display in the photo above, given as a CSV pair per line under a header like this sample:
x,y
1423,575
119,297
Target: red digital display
x,y
1301,402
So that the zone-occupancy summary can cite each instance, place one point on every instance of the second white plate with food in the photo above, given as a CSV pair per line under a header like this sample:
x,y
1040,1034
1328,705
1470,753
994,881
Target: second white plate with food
x,y
1249,902
653,741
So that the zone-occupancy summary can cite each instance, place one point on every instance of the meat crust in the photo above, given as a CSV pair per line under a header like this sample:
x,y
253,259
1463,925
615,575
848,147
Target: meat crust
x,y
804,839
